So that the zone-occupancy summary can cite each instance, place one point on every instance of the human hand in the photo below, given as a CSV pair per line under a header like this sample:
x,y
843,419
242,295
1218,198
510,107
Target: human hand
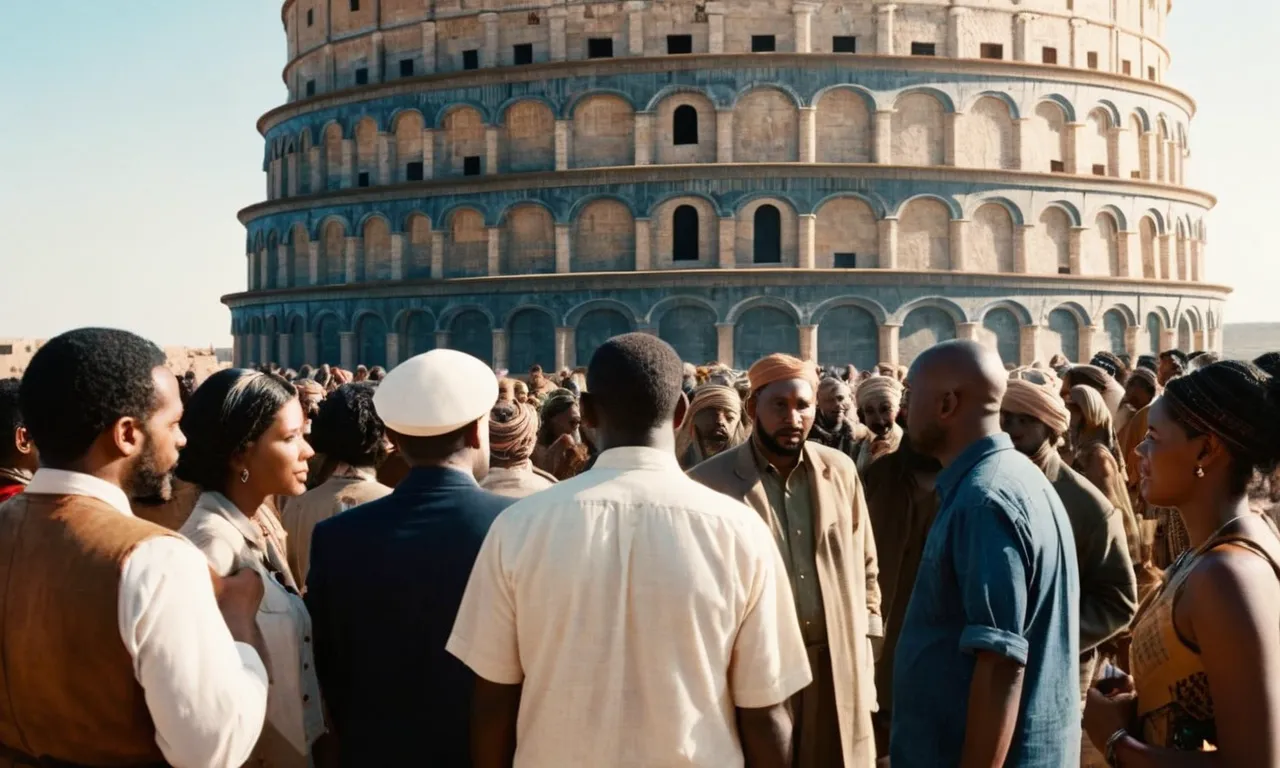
x,y
239,596
1104,715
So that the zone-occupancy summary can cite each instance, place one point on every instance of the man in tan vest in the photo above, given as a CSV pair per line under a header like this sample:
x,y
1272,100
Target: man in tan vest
x,y
812,499
118,647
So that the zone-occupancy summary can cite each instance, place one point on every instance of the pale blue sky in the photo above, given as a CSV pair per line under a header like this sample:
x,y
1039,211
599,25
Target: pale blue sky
x,y
127,144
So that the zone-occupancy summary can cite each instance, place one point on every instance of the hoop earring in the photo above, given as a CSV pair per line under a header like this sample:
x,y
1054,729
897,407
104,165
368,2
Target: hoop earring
x,y
1199,471
244,475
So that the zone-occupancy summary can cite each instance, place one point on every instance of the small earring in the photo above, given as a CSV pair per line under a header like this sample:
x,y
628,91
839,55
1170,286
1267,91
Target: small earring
x,y
244,475
1199,471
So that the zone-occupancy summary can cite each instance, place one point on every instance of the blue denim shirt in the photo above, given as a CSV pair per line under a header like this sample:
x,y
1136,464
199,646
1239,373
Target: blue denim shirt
x,y
998,574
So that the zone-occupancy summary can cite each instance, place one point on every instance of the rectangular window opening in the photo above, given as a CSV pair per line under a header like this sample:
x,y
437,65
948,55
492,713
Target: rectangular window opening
x,y
522,54
600,48
1126,67
6,349
1151,74
992,51
1135,174
471,59
1092,59
846,261
1057,166
844,44
1099,170
413,171
362,180
406,67
1064,270
311,87
311,18
764,43
362,76
471,165
1049,55
679,44
924,49
355,5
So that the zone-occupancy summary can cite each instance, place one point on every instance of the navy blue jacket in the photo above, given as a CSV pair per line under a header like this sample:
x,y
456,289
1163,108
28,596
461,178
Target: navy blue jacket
x,y
385,583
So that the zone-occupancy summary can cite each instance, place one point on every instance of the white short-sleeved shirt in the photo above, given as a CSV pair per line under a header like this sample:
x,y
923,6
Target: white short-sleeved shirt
x,y
638,608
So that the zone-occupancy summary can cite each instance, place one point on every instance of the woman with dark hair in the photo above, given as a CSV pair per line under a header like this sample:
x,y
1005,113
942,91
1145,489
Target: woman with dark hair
x,y
1206,646
245,444
347,430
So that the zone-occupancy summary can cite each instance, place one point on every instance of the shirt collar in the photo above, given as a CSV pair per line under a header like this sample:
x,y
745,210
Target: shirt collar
x,y
225,507
968,458
61,482
762,463
638,458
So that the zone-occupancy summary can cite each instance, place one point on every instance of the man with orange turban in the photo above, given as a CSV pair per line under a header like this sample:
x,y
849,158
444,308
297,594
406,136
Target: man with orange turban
x,y
811,497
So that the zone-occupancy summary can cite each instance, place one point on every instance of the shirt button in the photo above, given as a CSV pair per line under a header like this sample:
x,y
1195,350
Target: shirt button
x,y
305,665
306,639
305,698
802,576
799,532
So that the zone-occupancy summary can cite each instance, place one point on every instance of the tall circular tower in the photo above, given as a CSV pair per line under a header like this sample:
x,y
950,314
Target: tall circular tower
x,y
847,180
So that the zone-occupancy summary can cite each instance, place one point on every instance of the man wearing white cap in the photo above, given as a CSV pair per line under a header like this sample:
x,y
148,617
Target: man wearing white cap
x,y
387,577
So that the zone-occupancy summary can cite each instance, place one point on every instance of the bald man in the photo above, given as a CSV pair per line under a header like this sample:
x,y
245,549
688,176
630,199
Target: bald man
x,y
985,672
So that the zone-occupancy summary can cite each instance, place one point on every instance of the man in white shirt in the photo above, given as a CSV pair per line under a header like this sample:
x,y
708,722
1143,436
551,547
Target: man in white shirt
x,y
120,647
630,616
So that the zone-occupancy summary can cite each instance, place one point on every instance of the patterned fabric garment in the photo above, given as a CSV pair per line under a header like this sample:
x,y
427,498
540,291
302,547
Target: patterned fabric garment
x,y
1174,700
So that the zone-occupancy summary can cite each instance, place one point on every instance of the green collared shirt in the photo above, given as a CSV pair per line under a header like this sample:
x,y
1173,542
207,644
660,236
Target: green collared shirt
x,y
792,519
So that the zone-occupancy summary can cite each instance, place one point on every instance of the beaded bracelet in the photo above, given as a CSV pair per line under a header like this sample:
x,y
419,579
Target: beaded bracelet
x,y
1110,751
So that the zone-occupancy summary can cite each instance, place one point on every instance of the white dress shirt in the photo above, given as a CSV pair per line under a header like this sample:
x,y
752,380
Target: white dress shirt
x,y
638,608
207,694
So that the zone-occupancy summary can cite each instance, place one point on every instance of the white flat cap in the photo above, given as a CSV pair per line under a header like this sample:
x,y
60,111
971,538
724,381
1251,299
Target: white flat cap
x,y
435,393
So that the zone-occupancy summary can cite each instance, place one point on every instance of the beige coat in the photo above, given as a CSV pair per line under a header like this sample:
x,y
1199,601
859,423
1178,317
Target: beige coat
x,y
347,487
847,574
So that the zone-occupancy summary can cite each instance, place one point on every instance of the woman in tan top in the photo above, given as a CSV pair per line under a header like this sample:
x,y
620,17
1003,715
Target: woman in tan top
x,y
1206,646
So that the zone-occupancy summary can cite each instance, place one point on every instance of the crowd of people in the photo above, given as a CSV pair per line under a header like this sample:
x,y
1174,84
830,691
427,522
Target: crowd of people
x,y
639,563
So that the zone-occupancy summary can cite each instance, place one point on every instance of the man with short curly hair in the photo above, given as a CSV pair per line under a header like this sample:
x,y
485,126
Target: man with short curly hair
x,y
19,458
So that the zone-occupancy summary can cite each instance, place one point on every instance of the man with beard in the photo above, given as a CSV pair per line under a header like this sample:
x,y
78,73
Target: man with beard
x,y
836,426
1173,363
985,672
714,425
902,502
1034,417
879,400
131,652
812,499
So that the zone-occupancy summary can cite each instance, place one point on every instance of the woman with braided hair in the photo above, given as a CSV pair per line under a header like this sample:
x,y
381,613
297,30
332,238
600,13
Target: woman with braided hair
x,y
1206,646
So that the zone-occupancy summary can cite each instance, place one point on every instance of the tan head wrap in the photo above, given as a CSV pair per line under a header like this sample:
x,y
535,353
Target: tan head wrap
x,y
830,383
710,396
880,388
779,367
1093,408
513,431
1042,402
1146,375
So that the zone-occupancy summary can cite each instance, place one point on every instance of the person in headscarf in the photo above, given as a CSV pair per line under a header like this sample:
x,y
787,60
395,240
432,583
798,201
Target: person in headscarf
x,y
1093,376
1035,418
713,425
879,401
1111,363
513,432
539,384
559,450
836,424
521,390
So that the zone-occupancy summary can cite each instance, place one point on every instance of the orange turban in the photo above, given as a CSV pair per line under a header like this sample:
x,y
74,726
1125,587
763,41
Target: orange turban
x,y
1042,402
779,367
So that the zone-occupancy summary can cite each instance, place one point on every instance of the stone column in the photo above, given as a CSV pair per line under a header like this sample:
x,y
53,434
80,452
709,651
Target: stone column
x,y
565,348
728,243
393,350
967,331
562,249
1197,340
1078,58
644,138
382,158
803,12
1183,268
489,54
442,339
311,348
1072,161
635,27
490,150
1146,155
495,251
888,243
883,139
889,343
808,342
1028,344
291,165
562,145
1124,247
428,154
1196,267
1168,339
808,134
264,269
724,343
317,171
282,344
808,226
1116,139
499,348
950,137
724,136
376,74
1133,338
283,262
347,350
715,27
557,16
1088,342
1166,246
348,179
429,47
1162,166
1022,23
959,237
352,261
237,351
1075,249
437,254
1022,249
1021,150
644,248
264,349
884,33
955,31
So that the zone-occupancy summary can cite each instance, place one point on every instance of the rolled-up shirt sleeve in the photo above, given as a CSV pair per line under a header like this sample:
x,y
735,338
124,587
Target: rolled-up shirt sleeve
x,y
207,694
991,559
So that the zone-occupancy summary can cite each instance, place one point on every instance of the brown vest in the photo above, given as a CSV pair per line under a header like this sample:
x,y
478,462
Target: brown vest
x,y
67,685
